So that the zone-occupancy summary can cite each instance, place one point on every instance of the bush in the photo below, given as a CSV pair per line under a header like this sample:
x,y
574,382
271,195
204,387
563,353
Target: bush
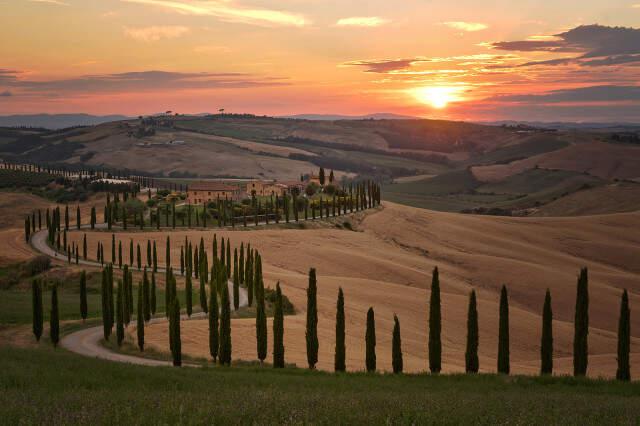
x,y
330,189
311,189
37,265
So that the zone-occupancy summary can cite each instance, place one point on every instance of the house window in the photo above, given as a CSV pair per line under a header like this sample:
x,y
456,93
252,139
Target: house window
x,y
209,192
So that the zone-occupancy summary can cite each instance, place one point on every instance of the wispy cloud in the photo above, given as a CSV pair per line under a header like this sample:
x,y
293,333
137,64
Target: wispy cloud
x,y
226,10
155,33
211,49
141,81
362,21
466,26
56,2
598,45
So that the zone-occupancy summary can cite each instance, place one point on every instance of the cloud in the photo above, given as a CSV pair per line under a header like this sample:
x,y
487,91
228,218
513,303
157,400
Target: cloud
x,y
466,26
211,49
604,93
56,2
396,66
384,66
226,10
5,94
155,33
362,21
599,46
140,81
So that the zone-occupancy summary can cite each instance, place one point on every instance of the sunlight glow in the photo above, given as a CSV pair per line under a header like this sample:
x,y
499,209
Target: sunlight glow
x,y
438,96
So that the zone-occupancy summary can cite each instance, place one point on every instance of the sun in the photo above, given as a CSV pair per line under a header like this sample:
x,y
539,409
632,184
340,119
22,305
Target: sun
x,y
437,96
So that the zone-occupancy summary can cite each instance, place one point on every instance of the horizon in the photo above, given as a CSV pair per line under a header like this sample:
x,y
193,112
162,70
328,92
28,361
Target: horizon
x,y
530,62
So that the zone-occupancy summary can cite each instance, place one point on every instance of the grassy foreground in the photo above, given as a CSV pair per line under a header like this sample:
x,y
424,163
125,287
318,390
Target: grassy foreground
x,y
54,387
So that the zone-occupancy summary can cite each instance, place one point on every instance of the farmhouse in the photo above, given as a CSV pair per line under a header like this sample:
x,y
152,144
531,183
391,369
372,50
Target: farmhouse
x,y
266,188
203,192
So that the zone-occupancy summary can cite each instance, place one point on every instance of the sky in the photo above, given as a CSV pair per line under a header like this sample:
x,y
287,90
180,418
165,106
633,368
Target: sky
x,y
560,60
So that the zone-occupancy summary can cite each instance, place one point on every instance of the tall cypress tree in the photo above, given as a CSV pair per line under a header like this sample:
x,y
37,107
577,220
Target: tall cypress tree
x,y
241,264
203,294
278,331
236,290
340,356
396,347
213,322
312,320
188,290
228,257
503,333
120,301
140,319
148,254
84,247
54,319
105,306
225,326
83,296
146,296
139,257
155,257
174,332
624,336
546,344
78,221
152,296
36,289
435,327
581,326
261,321
370,341
472,363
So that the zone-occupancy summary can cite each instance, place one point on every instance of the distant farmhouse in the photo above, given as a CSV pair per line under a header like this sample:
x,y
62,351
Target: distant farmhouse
x,y
204,192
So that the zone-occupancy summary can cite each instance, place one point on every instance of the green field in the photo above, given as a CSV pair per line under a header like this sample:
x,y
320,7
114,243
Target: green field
x,y
459,190
55,387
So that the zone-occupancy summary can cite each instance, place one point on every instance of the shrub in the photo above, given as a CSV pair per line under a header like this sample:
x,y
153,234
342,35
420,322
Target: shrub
x,y
37,265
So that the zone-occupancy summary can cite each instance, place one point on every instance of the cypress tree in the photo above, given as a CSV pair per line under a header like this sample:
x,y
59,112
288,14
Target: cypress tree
x,y
225,326
197,264
312,321
228,257
203,294
241,264
120,301
138,257
472,363
84,247
340,356
146,296
181,261
120,254
153,293
249,278
131,253
83,295
236,290
167,261
278,331
174,332
624,336
503,333
54,319
222,252
215,247
370,341
435,327
261,321
140,319
148,254
78,222
93,217
581,326
155,258
213,323
546,344
105,306
396,348
188,289
36,293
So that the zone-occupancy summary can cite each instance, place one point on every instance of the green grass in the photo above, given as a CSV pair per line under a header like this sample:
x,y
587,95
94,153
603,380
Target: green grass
x,y
54,387
533,145
16,308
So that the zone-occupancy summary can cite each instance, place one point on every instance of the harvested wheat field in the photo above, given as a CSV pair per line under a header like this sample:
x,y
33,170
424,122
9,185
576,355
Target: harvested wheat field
x,y
387,264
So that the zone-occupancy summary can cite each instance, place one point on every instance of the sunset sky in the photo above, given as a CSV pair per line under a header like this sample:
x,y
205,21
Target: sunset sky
x,y
467,60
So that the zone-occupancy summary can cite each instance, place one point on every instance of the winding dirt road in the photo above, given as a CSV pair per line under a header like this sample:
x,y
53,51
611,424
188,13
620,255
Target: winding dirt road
x,y
87,342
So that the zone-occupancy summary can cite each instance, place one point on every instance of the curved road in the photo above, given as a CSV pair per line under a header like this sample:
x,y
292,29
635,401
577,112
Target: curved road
x,y
87,341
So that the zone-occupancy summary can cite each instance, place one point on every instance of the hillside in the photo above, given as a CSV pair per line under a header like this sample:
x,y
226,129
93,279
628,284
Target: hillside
x,y
387,264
